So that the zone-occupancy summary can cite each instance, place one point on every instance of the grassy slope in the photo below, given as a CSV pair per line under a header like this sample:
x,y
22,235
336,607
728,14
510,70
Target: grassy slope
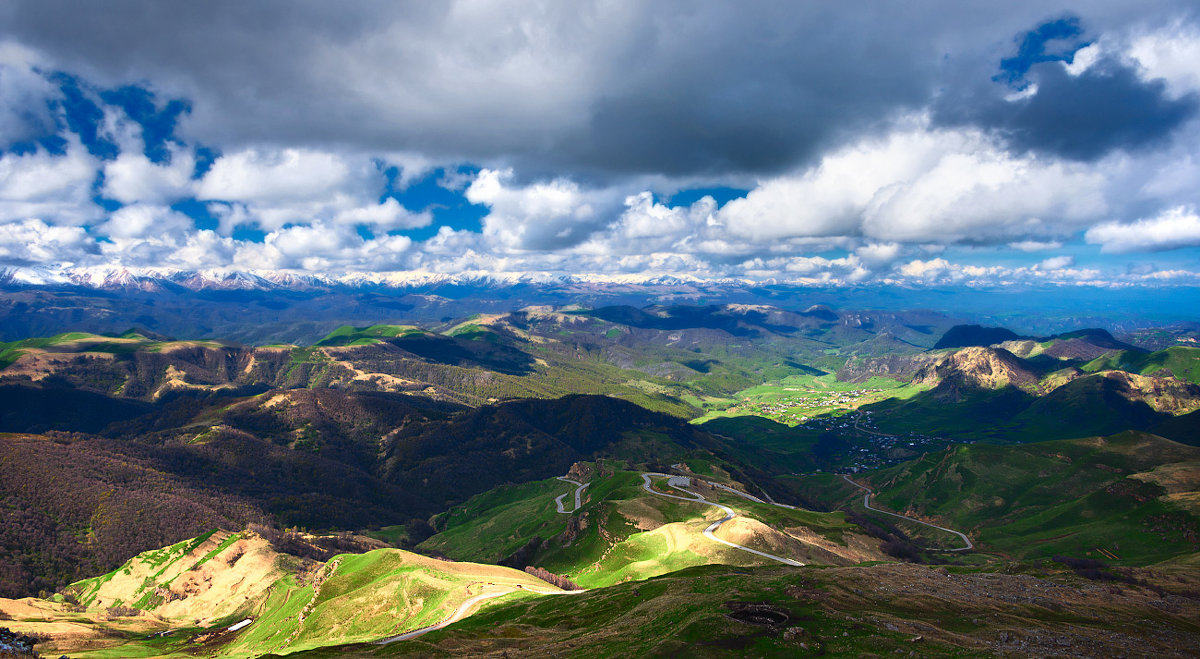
x,y
354,336
880,610
364,598
1060,497
492,525
626,534
71,341
1182,361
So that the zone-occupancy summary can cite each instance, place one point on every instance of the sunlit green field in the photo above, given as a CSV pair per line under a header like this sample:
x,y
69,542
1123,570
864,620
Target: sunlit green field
x,y
798,398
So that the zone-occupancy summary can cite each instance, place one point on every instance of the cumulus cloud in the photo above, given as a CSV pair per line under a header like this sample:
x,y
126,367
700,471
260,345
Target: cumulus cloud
x,y
387,215
54,188
1174,228
267,177
918,269
1057,262
202,249
922,185
538,216
276,187
879,253
319,247
33,242
1170,54
132,178
140,220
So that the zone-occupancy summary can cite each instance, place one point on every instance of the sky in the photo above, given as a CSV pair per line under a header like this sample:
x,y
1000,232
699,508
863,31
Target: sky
x,y
917,143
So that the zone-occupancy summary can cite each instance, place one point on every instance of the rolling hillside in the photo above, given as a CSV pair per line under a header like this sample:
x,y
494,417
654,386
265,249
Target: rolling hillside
x,y
881,610
1073,497
623,532
236,595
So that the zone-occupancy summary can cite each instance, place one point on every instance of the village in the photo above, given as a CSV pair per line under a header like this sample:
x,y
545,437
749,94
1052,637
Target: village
x,y
807,405
873,449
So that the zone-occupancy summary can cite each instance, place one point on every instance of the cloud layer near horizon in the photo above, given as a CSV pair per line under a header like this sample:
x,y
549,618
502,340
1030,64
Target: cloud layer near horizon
x,y
1013,143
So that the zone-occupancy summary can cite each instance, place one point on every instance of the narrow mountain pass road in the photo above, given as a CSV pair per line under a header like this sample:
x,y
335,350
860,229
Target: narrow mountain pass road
x,y
867,504
857,418
558,501
459,613
711,531
465,609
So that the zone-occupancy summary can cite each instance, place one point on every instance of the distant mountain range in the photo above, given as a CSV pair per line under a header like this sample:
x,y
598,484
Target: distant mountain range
x,y
253,305
166,279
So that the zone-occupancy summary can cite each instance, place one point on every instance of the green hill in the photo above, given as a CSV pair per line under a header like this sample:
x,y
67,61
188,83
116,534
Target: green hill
x,y
1181,361
356,336
862,611
1087,406
186,597
623,532
1072,497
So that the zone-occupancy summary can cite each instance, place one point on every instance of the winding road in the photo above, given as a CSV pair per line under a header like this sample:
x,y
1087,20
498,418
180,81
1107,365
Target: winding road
x,y
459,613
857,418
673,481
465,608
710,532
558,501
867,504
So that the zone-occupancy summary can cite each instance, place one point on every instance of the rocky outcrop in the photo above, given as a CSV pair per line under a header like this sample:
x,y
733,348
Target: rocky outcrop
x,y
979,368
973,367
897,367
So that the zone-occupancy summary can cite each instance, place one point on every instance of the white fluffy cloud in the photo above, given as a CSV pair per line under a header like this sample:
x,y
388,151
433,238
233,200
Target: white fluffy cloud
x,y
132,178
918,269
48,187
201,249
267,176
922,185
539,216
1057,262
278,187
1035,245
319,247
1174,228
32,242
1169,53
879,253
140,221
387,215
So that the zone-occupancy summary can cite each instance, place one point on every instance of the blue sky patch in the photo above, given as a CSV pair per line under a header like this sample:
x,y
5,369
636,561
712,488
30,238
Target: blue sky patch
x,y
158,124
722,195
449,208
1053,41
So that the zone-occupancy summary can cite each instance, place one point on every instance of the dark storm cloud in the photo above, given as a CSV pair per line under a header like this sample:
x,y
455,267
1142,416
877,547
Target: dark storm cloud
x,y
1080,117
589,90
1084,117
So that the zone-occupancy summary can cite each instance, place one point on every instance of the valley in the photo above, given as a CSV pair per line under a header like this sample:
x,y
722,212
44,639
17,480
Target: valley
x,y
398,489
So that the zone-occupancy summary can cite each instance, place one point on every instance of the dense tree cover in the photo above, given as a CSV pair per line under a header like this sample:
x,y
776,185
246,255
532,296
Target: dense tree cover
x,y
74,506
478,449
549,577
55,405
